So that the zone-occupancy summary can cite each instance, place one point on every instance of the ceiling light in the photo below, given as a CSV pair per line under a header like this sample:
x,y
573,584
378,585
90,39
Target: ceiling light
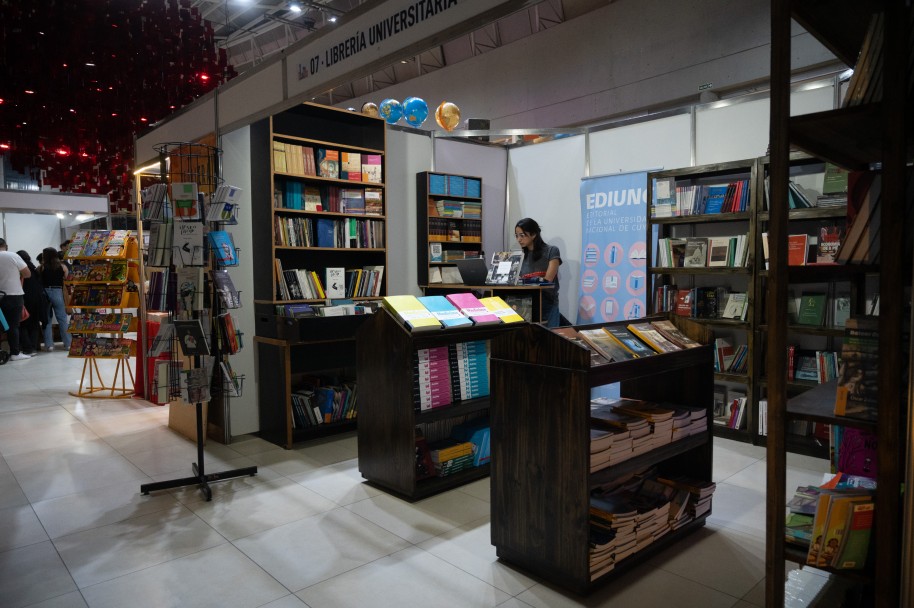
x,y
82,217
60,216
295,7
333,19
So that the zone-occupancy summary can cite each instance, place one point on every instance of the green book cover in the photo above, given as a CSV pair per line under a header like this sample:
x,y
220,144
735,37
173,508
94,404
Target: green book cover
x,y
835,179
812,309
853,551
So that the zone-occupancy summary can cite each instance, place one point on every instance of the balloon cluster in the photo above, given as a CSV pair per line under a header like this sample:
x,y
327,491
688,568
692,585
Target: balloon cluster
x,y
414,111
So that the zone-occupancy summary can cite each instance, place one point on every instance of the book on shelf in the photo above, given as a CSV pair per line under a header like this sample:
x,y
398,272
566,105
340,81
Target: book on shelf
x,y
714,196
335,285
372,168
328,163
653,338
190,288
828,244
627,340
279,157
719,251
857,393
737,304
664,193
351,166
672,333
374,201
352,200
311,198
223,246
225,288
471,307
834,180
501,309
442,309
600,342
185,201
194,384
95,346
811,310
504,268
154,200
856,452
191,337
797,248
188,244
696,252
855,544
104,322
411,312
435,252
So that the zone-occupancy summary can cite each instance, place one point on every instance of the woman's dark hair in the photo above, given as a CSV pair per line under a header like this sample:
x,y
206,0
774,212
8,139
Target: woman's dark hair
x,y
49,259
530,226
27,259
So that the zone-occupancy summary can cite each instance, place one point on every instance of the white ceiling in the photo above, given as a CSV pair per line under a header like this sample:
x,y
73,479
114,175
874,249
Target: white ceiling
x,y
252,31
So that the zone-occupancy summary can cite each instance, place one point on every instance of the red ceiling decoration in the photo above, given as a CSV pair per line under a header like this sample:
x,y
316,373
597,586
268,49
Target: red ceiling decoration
x,y
79,78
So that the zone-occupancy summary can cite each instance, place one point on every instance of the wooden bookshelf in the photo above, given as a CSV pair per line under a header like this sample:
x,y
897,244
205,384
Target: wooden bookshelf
x,y
387,418
855,137
292,348
428,196
541,480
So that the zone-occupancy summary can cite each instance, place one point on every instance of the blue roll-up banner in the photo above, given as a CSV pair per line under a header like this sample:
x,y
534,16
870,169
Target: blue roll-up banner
x,y
613,279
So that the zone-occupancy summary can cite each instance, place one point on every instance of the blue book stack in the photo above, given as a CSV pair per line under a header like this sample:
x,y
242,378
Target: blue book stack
x,y
470,369
475,431
456,185
473,187
445,312
437,184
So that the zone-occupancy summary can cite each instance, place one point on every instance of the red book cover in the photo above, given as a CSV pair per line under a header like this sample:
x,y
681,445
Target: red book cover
x,y
791,361
684,303
796,249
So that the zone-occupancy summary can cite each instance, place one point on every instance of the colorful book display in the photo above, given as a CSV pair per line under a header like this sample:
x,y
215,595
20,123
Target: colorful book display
x,y
445,312
411,312
471,307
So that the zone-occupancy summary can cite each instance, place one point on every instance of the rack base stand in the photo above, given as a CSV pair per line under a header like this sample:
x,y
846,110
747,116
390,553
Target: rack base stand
x,y
200,477
96,387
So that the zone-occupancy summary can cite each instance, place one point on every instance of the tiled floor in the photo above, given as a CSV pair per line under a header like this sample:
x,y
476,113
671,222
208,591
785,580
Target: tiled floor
x,y
75,531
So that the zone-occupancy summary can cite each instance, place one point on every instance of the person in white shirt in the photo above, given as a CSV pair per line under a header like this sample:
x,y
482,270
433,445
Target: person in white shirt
x,y
13,270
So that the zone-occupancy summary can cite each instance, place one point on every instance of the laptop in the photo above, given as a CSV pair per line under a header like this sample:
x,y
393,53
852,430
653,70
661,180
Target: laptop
x,y
473,271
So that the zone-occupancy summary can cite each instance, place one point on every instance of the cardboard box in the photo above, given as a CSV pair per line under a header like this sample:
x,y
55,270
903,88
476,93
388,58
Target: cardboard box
x,y
182,418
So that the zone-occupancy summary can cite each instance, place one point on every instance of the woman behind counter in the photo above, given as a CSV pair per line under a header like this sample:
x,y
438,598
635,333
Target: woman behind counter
x,y
541,261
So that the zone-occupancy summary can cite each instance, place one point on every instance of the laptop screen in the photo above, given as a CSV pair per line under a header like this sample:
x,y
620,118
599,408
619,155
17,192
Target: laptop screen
x,y
473,271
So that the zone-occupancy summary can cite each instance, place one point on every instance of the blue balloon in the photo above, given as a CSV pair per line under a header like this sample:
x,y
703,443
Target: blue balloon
x,y
415,111
391,111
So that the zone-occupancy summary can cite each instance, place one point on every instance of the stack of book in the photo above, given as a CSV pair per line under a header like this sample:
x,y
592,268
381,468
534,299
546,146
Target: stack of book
x,y
451,456
660,418
603,416
469,369
432,378
608,447
612,532
700,493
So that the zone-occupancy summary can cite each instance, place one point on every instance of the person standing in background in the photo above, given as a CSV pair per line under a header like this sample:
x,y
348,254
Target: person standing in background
x,y
541,264
53,273
36,302
13,270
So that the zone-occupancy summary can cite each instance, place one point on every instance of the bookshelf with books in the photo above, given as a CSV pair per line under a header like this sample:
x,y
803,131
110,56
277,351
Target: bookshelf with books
x,y
543,478
870,133
103,284
397,418
704,268
822,290
448,224
319,200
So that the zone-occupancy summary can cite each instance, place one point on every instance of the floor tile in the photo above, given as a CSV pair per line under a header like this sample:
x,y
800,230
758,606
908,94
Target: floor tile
x,y
514,603
216,458
191,494
220,577
286,462
19,441
19,526
739,508
340,482
105,553
728,462
738,559
469,547
380,584
44,417
320,547
290,601
99,507
11,494
32,574
273,504
756,476
481,489
332,450
40,484
74,599
421,520
251,444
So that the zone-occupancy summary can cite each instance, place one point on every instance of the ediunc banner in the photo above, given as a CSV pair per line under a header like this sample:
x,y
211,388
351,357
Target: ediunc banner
x,y
613,274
